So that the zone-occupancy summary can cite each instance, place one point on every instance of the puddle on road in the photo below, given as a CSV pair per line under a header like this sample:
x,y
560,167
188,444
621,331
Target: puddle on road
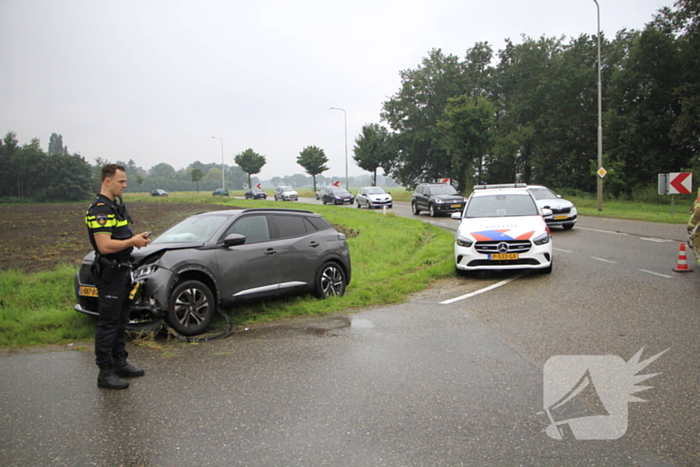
x,y
323,327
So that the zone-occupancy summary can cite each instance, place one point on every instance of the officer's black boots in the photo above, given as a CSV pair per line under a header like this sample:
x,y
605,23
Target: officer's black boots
x,y
108,379
123,369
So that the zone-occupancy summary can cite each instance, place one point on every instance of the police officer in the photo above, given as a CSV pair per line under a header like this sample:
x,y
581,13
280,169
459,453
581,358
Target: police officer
x,y
108,227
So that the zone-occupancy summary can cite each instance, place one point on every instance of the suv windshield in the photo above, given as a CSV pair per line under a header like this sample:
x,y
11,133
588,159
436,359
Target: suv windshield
x,y
502,205
442,190
192,229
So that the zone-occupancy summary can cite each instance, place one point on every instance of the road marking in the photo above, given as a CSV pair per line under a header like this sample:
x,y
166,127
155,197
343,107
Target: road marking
x,y
604,260
602,231
657,240
655,273
565,251
485,289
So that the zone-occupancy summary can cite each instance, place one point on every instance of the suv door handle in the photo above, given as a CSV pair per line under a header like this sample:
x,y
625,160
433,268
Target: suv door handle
x,y
270,251
314,244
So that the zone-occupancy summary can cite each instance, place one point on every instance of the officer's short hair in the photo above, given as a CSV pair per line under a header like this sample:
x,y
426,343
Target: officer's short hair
x,y
110,169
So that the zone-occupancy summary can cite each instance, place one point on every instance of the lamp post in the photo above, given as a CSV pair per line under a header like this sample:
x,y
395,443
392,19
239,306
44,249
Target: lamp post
x,y
223,180
600,122
345,118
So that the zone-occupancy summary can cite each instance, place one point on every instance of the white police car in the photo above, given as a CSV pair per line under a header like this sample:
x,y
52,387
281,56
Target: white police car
x,y
501,227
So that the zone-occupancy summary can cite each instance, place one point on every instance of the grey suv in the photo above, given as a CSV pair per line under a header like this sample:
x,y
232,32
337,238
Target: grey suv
x,y
215,258
436,198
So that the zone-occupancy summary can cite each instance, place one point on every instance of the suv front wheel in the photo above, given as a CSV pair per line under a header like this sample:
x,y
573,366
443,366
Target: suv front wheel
x,y
431,210
330,281
414,208
191,308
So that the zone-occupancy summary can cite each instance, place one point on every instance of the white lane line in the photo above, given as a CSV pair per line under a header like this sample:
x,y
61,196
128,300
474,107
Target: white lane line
x,y
565,251
604,260
657,240
602,231
655,273
485,289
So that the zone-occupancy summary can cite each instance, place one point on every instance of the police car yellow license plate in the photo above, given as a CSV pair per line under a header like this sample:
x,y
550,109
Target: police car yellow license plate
x,y
88,291
502,256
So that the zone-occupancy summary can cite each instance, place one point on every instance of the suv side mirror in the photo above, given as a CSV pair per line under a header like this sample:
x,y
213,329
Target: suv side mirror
x,y
546,212
234,239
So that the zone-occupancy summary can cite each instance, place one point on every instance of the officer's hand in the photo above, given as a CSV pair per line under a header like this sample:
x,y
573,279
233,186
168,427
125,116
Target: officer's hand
x,y
141,240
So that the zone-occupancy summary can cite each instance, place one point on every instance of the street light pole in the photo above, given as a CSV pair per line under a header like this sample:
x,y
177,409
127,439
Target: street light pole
x,y
600,120
345,117
223,180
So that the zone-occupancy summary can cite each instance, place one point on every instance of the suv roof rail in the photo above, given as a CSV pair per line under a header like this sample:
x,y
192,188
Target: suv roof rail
x,y
502,185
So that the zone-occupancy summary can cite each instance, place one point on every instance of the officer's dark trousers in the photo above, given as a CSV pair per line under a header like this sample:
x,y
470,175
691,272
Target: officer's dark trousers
x,y
110,343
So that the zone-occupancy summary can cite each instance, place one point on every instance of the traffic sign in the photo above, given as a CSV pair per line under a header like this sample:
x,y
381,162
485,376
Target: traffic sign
x,y
601,172
680,183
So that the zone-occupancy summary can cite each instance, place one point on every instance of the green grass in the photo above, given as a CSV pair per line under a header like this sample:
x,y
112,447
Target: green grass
x,y
38,309
638,211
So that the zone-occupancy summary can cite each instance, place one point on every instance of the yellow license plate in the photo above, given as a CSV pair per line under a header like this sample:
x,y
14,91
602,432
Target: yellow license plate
x,y
560,217
456,205
502,256
88,291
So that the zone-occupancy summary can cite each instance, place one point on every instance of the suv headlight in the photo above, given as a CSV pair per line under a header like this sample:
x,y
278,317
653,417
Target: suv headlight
x,y
573,211
439,201
146,270
465,242
542,239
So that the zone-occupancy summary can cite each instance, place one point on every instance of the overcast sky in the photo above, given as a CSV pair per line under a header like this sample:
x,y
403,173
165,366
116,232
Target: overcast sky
x,y
154,80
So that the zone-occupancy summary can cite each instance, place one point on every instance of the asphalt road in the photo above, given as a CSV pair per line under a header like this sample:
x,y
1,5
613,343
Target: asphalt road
x,y
435,381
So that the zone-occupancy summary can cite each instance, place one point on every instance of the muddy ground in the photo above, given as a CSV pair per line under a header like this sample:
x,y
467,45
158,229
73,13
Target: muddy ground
x,y
39,237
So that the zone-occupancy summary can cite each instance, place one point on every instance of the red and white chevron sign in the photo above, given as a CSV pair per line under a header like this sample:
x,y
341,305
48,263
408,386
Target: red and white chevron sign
x,y
680,183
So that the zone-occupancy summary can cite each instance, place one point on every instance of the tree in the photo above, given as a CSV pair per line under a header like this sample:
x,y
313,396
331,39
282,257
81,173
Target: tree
x,y
413,113
466,127
313,159
197,175
250,162
56,146
162,170
374,148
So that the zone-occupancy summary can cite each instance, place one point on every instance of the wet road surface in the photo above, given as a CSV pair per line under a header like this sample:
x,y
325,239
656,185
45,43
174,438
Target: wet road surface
x,y
417,384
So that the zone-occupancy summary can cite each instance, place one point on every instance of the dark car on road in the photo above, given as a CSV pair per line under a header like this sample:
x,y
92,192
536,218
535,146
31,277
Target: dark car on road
x,y
220,192
437,199
337,195
159,192
255,193
213,259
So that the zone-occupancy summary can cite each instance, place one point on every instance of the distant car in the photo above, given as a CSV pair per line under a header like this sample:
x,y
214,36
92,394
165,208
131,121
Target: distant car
x,y
319,193
337,195
220,192
214,259
502,228
159,192
373,197
286,193
255,193
563,212
437,199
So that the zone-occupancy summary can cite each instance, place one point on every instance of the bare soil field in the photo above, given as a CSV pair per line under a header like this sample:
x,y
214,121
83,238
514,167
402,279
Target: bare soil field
x,y
37,237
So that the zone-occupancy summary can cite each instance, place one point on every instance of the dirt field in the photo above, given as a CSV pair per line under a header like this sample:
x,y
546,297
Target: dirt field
x,y
38,237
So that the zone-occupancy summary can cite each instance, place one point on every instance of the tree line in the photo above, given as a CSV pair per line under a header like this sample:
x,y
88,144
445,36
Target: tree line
x,y
529,112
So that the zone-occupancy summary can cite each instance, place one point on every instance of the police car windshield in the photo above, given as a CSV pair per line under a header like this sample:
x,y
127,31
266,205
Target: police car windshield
x,y
542,193
192,229
501,205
